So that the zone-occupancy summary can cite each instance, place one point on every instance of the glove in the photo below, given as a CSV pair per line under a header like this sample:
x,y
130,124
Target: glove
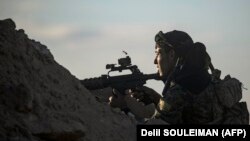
x,y
117,100
146,95
128,101
142,102
139,109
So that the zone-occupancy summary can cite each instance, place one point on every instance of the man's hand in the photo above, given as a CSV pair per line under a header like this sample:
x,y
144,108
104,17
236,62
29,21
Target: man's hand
x,y
146,95
117,100
141,102
139,109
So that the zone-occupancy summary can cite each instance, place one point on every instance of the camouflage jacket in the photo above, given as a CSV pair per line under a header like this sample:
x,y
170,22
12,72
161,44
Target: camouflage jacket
x,y
217,104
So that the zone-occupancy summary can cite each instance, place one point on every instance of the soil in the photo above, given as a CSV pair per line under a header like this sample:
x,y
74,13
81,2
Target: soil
x,y
40,100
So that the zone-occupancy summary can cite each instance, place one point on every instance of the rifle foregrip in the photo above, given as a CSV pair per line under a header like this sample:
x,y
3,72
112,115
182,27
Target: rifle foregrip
x,y
95,83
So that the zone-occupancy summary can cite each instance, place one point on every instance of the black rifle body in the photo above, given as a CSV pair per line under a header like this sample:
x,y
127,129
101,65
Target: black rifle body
x,y
120,82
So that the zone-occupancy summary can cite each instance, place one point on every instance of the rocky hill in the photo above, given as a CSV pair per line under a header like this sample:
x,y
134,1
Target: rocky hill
x,y
40,100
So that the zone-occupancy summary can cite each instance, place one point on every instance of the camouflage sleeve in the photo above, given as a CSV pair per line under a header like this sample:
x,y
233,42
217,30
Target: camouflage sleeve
x,y
171,106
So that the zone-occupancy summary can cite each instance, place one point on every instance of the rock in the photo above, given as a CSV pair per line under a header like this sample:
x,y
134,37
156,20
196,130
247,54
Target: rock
x,y
41,100
7,24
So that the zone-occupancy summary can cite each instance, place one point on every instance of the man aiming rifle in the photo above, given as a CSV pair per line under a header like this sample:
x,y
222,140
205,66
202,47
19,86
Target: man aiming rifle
x,y
191,94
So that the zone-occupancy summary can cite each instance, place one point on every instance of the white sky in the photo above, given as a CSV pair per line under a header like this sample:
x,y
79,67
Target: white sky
x,y
85,35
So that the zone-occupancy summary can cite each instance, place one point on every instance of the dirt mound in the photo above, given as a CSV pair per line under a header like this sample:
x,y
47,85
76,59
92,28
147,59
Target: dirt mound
x,y
41,100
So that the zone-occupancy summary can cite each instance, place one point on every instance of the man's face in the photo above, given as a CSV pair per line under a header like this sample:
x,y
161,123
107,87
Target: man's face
x,y
164,61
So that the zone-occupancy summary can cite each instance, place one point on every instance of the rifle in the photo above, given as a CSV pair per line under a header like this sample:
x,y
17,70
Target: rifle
x,y
121,82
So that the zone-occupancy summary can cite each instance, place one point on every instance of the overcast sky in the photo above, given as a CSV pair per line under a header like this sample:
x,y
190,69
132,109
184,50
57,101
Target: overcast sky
x,y
85,35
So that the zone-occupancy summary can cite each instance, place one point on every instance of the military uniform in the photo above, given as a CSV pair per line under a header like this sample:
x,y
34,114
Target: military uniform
x,y
187,108
192,95
218,103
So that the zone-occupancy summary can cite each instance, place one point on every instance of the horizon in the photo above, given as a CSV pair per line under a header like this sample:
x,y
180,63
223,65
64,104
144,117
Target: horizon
x,y
84,36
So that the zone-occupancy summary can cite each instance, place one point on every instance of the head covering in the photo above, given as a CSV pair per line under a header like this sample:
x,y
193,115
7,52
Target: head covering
x,y
192,71
178,40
